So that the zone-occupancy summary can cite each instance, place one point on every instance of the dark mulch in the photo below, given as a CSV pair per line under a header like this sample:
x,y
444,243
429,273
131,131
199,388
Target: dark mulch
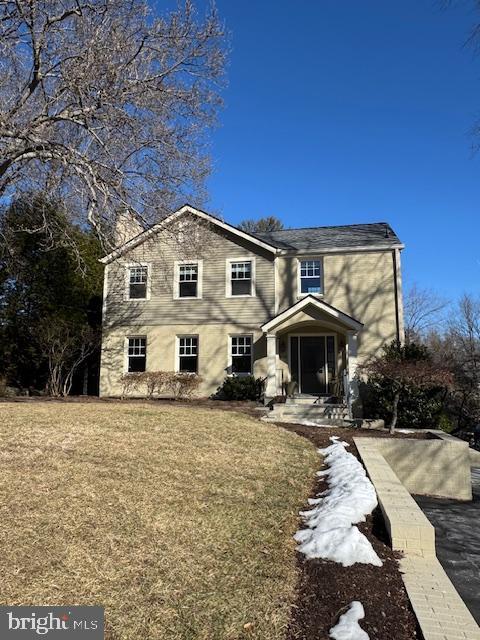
x,y
326,588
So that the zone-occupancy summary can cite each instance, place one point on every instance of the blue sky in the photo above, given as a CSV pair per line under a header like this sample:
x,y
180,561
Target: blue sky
x,y
340,112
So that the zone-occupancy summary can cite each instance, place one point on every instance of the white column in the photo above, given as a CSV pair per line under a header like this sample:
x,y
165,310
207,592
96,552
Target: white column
x,y
271,387
352,366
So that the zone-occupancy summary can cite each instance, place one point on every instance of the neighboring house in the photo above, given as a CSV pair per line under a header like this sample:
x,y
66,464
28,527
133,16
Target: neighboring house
x,y
196,294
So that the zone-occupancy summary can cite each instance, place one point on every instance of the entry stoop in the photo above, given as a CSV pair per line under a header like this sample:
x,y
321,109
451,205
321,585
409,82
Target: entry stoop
x,y
328,413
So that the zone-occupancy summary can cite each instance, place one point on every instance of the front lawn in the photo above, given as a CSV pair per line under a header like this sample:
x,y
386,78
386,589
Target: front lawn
x,y
178,520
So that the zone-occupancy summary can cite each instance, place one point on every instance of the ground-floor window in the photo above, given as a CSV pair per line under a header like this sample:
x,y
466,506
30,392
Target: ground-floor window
x,y
188,354
241,354
136,354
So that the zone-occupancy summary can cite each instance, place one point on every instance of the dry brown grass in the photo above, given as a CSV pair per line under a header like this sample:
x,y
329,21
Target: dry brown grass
x,y
178,520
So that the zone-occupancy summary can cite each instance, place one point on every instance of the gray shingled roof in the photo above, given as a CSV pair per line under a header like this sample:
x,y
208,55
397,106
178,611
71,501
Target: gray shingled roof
x,y
376,234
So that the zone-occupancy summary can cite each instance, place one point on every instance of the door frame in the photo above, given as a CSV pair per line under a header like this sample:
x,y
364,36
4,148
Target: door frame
x,y
311,335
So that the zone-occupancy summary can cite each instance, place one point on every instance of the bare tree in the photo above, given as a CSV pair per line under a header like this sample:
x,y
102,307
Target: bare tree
x,y
423,311
106,105
65,347
269,223
463,336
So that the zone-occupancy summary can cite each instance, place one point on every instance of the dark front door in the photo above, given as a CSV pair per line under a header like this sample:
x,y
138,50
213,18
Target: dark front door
x,y
312,364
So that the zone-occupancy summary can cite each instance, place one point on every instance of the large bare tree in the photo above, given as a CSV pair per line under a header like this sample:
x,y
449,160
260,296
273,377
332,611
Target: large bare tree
x,y
424,311
107,105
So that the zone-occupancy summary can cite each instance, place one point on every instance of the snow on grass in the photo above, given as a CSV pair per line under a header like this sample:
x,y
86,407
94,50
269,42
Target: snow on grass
x,y
347,627
350,497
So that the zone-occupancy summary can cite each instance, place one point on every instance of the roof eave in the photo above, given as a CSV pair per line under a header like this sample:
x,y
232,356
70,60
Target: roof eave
x,y
352,323
361,248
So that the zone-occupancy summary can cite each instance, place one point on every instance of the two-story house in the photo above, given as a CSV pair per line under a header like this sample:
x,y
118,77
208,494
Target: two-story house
x,y
196,294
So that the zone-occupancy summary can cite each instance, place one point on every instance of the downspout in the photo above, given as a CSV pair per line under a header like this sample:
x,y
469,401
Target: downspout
x,y
397,279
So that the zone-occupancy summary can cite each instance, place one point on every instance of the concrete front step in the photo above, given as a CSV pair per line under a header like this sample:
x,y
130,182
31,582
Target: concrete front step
x,y
318,421
309,400
310,412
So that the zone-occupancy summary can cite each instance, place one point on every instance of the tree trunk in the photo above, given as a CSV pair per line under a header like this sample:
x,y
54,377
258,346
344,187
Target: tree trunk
x,y
396,399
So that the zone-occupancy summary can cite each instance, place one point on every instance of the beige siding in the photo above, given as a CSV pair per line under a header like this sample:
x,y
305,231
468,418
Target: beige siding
x,y
361,285
212,246
213,357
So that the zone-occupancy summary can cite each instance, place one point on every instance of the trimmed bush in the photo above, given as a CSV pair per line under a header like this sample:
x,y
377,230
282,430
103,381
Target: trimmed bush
x,y
241,388
169,383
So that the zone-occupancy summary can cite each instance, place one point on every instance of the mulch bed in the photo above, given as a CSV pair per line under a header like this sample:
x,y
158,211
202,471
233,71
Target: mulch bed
x,y
326,588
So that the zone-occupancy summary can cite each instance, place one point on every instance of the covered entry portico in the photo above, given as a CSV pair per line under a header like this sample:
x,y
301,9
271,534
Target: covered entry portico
x,y
313,345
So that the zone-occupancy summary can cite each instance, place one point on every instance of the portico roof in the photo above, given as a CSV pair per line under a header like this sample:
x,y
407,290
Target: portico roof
x,y
311,301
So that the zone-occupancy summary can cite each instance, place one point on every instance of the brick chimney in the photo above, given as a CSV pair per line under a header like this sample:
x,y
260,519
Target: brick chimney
x,y
127,226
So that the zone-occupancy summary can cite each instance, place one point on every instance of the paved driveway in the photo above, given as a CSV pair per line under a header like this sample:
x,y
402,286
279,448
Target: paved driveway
x,y
457,530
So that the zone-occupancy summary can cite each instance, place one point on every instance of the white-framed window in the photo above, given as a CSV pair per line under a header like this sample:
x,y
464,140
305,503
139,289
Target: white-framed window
x,y
310,276
241,354
136,347
240,277
137,281
188,279
187,354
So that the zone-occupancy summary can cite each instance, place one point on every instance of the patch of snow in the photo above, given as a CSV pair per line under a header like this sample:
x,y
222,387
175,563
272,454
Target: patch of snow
x,y
349,498
294,420
347,627
405,430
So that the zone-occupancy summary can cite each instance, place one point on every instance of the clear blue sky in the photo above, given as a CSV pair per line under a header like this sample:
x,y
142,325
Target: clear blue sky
x,y
340,112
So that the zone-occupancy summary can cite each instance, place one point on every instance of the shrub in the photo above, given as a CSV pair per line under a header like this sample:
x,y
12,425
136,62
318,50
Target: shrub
x,y
3,386
405,386
149,383
130,382
184,385
241,388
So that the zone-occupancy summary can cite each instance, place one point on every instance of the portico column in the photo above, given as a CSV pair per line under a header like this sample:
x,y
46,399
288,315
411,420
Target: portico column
x,y
271,387
352,367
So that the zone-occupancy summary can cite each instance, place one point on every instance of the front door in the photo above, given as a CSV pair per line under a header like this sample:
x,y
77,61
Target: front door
x,y
313,363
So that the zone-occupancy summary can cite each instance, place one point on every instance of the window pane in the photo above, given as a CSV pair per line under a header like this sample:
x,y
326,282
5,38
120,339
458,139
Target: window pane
x,y
137,291
241,270
311,285
137,346
188,364
138,275
187,290
188,272
294,358
241,364
331,357
136,364
241,345
241,287
188,346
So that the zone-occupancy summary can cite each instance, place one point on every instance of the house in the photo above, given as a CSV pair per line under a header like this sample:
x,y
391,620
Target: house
x,y
196,294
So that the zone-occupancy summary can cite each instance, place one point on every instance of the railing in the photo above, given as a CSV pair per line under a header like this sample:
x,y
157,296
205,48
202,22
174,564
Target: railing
x,y
280,382
346,392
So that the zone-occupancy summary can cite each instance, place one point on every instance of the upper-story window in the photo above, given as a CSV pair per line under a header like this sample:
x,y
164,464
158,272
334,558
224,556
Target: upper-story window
x,y
241,278
188,279
137,282
136,354
310,276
